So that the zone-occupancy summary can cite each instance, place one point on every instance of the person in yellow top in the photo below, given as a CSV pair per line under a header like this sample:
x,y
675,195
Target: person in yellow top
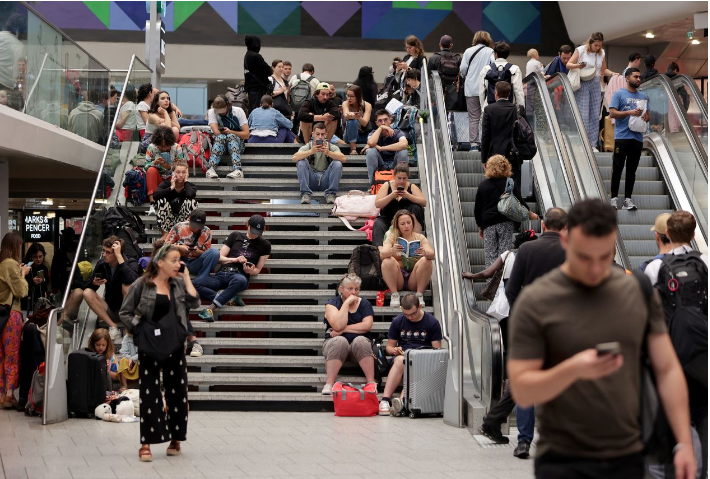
x,y
13,287
408,269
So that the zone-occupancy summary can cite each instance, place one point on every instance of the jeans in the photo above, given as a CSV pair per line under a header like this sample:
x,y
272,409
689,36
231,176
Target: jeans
x,y
374,160
219,145
232,283
352,132
526,423
310,180
203,265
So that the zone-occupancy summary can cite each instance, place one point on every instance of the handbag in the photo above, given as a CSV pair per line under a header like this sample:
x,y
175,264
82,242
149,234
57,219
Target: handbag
x,y
356,204
280,102
589,72
159,339
489,292
574,80
5,310
355,401
509,206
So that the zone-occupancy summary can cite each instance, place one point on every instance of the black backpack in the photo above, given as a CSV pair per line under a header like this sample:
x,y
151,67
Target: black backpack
x,y
524,146
124,223
366,263
494,75
683,285
449,66
300,92
386,93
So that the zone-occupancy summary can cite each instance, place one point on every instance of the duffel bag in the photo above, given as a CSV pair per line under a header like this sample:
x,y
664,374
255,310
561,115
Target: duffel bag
x,y
356,204
355,401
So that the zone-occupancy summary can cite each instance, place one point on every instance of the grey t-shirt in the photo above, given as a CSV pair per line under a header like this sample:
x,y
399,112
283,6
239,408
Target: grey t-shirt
x,y
320,161
555,318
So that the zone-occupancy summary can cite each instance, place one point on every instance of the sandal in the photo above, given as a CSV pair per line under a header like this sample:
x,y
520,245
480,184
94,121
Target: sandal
x,y
144,453
353,152
173,448
10,403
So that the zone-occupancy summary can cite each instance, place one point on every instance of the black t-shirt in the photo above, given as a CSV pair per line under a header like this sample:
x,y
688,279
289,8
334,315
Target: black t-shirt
x,y
364,310
251,249
414,335
162,306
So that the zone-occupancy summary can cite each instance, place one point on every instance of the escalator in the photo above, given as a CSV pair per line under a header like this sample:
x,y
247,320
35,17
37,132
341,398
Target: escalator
x,y
694,105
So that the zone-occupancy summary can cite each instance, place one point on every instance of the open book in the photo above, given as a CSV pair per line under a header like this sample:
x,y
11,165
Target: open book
x,y
410,247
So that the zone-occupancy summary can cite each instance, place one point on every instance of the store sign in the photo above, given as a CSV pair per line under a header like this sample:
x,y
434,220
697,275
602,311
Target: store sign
x,y
39,228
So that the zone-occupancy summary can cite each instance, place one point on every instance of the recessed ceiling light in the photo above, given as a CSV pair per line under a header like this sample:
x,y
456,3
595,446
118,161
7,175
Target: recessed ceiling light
x,y
695,41
61,207
35,212
47,202
650,35
220,81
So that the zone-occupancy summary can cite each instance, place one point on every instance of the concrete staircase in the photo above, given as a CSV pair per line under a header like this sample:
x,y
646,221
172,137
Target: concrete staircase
x,y
268,354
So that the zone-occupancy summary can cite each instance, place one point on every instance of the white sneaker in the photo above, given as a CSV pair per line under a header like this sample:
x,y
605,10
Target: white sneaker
x,y
420,296
196,351
115,335
615,203
236,175
327,390
629,205
151,210
394,300
397,406
594,149
384,408
211,174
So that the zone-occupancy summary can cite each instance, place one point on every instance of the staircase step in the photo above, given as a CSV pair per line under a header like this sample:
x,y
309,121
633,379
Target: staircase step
x,y
265,379
345,183
281,397
248,159
296,278
270,220
258,361
290,248
271,326
262,343
268,207
207,193
348,169
317,235
300,293
297,310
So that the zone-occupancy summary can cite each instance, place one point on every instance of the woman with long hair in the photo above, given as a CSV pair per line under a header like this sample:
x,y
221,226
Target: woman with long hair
x,y
394,196
13,288
157,311
161,113
366,81
269,125
280,95
159,157
38,278
356,113
415,54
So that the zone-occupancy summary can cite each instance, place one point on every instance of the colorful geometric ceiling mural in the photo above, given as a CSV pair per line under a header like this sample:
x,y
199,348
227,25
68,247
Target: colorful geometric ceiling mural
x,y
515,22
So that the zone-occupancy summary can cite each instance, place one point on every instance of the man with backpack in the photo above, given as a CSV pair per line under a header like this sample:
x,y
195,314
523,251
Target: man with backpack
x,y
447,63
319,108
681,278
498,71
302,87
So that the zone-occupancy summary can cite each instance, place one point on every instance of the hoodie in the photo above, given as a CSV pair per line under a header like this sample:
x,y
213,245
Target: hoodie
x,y
86,121
256,70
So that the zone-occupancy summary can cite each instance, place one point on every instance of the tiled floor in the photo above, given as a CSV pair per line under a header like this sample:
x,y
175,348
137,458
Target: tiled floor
x,y
255,444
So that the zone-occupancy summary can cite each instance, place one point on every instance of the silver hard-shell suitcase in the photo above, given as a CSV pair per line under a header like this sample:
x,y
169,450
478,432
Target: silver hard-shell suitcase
x,y
425,381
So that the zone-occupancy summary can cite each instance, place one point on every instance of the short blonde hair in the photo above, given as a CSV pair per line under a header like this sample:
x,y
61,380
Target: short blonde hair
x,y
498,166
482,37
532,53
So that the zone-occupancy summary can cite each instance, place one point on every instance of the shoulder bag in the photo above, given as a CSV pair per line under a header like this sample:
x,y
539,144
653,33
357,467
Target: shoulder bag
x,y
159,339
354,205
590,71
510,207
5,310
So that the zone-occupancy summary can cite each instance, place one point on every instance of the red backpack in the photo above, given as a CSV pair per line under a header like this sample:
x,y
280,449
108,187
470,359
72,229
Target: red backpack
x,y
381,177
196,146
353,401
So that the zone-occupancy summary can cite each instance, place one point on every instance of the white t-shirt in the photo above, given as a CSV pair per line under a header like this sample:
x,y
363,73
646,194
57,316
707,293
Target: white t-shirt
x,y
213,118
129,108
654,267
534,66
595,59
142,106
304,76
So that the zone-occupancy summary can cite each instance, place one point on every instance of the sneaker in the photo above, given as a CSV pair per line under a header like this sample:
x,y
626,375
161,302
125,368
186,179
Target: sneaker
x,y
629,205
327,390
236,174
522,450
394,300
384,408
493,434
397,407
615,203
151,210
595,150
197,350
306,199
236,301
420,296
207,314
212,174
115,335
330,199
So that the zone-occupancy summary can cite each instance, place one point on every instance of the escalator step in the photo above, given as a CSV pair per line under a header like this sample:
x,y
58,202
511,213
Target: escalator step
x,y
641,187
469,179
645,248
645,173
652,202
467,155
468,166
639,217
638,232
646,161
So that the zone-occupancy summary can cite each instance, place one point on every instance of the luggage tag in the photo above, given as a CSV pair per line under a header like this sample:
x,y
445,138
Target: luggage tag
x,y
157,332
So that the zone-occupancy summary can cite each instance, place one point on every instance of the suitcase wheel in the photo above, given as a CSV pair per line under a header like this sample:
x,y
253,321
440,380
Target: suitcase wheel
x,y
412,415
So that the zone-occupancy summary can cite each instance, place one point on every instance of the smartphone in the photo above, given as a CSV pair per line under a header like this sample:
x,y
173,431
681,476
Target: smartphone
x,y
608,348
99,275
182,269
30,263
40,274
222,129
250,264
400,188
319,142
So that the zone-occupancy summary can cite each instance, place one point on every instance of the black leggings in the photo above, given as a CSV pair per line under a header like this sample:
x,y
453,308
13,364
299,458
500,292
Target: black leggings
x,y
382,223
629,152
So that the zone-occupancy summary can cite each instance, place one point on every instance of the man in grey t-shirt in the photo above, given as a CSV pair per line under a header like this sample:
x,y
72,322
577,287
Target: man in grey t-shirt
x,y
319,165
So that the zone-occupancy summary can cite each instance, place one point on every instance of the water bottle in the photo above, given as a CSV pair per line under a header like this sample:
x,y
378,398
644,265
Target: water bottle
x,y
380,299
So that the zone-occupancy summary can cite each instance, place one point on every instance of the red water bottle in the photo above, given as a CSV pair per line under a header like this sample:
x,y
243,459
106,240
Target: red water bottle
x,y
380,301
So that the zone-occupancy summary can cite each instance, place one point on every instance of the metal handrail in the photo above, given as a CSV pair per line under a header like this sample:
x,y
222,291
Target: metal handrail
x,y
34,85
694,90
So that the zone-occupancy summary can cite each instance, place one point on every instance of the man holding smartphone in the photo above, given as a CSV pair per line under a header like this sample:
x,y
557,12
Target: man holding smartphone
x,y
589,403
319,166
194,240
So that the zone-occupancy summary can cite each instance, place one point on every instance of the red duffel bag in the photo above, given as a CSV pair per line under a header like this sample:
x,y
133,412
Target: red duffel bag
x,y
355,401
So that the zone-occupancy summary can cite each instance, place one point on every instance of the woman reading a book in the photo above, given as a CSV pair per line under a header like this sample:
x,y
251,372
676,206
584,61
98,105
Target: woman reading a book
x,y
406,258
396,195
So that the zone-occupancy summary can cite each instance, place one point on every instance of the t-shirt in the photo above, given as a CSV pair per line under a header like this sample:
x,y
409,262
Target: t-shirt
x,y
129,108
142,106
238,117
363,310
534,66
319,162
624,100
386,141
592,59
251,249
414,335
555,318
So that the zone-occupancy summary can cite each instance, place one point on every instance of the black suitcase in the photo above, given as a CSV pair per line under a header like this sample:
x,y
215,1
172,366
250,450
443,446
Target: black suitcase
x,y
87,382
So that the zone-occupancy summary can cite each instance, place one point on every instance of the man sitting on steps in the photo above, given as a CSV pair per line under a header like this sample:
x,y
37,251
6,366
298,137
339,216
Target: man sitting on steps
x,y
242,256
386,146
319,108
319,166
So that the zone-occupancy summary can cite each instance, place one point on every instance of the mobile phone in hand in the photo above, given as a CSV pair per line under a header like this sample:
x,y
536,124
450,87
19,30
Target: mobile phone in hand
x,y
182,269
30,264
400,188
319,142
608,348
249,264
99,275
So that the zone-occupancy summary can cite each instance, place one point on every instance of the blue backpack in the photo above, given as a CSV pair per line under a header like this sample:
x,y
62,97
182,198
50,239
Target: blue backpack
x,y
135,186
494,75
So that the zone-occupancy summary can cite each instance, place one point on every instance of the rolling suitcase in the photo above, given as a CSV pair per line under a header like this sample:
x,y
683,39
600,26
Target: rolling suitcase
x,y
87,383
458,131
425,381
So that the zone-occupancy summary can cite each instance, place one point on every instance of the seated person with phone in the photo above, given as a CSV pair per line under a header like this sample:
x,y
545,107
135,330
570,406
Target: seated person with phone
x,y
406,258
413,329
194,240
397,195
231,129
116,273
319,166
242,256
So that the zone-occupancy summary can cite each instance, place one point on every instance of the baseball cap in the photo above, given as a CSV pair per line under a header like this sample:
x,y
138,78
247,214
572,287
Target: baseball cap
x,y
220,104
256,225
446,41
323,86
197,219
661,223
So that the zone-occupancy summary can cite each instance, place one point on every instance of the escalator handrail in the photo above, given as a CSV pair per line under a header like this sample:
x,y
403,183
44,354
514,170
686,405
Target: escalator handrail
x,y
591,161
695,142
695,91
135,61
